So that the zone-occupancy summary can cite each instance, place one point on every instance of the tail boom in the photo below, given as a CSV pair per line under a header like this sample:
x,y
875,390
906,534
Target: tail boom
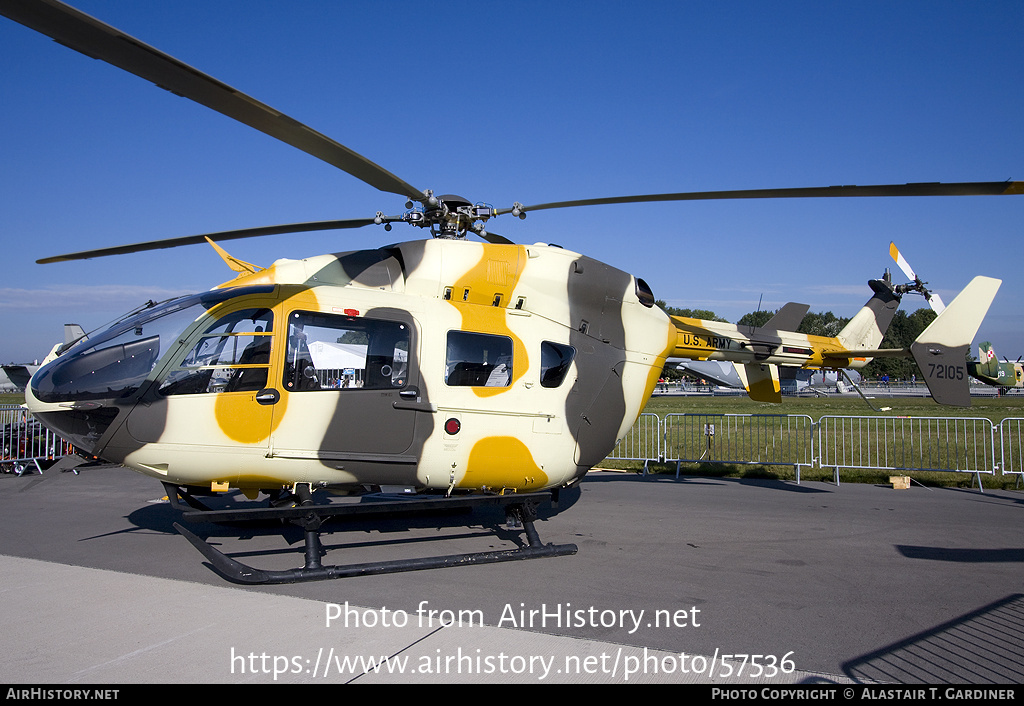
x,y
940,350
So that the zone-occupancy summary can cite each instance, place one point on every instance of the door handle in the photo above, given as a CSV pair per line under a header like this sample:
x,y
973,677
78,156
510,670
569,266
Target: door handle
x,y
268,396
410,399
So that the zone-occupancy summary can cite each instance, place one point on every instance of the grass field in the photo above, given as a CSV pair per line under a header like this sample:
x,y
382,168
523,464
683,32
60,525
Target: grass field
x,y
991,408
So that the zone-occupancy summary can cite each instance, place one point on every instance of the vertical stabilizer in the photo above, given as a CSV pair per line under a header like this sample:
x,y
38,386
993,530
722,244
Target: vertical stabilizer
x,y
988,364
762,382
941,349
73,333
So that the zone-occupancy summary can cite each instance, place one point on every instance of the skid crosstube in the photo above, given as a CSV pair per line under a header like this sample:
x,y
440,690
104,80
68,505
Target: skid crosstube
x,y
520,509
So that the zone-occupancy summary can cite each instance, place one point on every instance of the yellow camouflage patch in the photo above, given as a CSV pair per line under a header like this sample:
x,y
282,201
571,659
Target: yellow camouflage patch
x,y
500,462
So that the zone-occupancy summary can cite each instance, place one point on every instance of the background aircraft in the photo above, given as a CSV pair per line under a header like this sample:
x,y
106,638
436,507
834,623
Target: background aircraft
x,y
791,380
14,376
990,371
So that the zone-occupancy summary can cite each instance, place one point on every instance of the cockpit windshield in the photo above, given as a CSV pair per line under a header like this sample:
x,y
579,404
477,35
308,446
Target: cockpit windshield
x,y
116,362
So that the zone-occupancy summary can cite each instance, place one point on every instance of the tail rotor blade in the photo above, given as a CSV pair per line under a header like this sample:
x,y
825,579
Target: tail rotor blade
x,y
933,299
901,261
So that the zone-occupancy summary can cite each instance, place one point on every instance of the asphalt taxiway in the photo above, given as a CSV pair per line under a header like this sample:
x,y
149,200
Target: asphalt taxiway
x,y
697,580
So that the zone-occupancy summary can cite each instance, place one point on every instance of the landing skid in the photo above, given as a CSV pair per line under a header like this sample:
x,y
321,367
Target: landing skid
x,y
520,512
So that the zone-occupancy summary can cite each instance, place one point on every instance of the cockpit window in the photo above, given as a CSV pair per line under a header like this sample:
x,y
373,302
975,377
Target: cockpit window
x,y
111,370
113,364
233,355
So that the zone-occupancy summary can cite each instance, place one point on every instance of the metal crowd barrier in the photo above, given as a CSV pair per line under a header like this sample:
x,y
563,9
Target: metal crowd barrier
x,y
642,442
959,444
24,442
954,444
762,439
1011,446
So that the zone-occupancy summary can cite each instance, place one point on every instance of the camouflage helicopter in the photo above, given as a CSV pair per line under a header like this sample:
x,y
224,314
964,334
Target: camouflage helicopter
x,y
459,372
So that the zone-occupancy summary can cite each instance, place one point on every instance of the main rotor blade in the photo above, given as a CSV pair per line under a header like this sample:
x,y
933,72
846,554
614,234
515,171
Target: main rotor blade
x,y
216,237
97,40
984,188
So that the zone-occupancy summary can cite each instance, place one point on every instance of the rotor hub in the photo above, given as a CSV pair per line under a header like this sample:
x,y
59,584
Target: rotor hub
x,y
448,216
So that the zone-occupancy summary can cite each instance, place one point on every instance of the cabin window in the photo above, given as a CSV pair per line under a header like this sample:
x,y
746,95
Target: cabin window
x,y
555,360
233,355
478,360
328,351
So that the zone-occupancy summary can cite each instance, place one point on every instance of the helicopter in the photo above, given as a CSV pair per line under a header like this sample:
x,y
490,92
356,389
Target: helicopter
x,y
451,371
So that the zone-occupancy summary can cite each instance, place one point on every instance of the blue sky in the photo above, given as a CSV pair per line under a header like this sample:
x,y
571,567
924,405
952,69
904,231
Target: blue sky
x,y
529,102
